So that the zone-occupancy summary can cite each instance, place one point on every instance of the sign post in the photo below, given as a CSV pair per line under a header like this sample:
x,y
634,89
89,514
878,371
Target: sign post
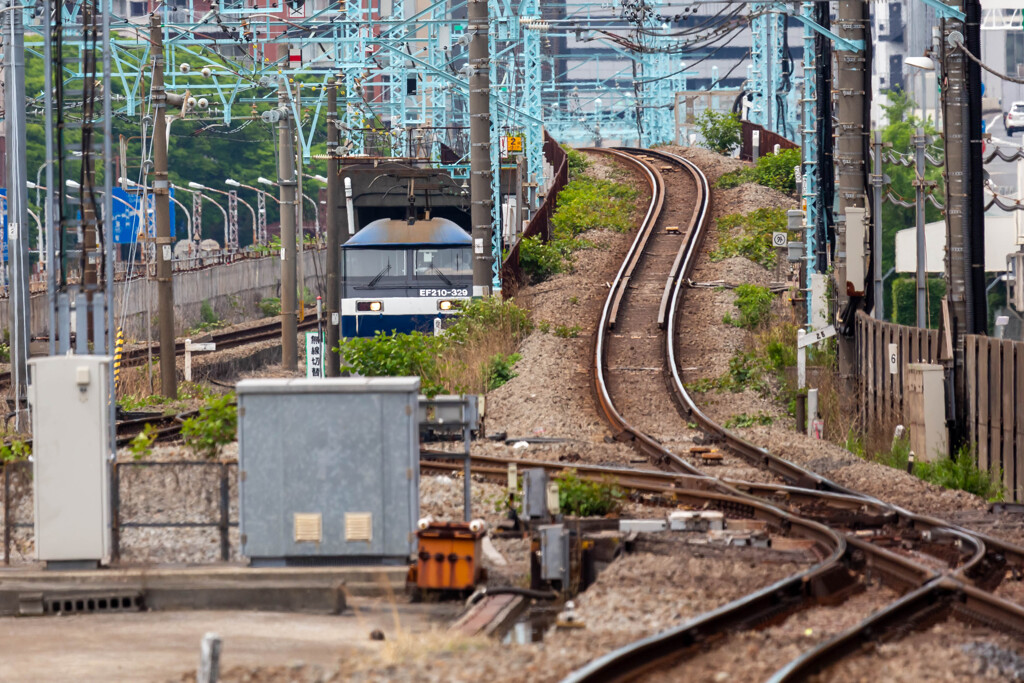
x,y
314,355
815,426
191,348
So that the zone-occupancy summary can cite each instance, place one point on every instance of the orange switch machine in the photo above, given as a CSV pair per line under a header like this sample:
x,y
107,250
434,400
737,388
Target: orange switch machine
x,y
449,556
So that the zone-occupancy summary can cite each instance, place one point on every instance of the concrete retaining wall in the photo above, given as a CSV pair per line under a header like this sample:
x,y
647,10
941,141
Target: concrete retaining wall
x,y
234,291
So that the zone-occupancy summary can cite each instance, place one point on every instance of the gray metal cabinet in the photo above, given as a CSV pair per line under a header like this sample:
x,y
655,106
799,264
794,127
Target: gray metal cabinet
x,y
329,469
71,450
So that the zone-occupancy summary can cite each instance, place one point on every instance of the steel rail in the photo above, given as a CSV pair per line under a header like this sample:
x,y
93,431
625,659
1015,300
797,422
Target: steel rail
x,y
901,573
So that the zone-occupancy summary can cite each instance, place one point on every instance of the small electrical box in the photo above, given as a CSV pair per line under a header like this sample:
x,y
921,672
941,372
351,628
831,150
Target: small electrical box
x,y
449,556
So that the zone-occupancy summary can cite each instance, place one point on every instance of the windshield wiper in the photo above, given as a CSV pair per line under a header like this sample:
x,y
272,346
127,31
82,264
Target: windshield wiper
x,y
378,276
442,275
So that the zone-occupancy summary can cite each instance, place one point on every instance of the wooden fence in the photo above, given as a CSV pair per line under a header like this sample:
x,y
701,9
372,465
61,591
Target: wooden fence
x,y
881,390
992,377
994,410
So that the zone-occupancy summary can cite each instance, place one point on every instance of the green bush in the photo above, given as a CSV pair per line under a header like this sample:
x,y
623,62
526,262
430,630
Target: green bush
x,y
586,498
776,170
754,240
755,304
215,425
722,132
270,307
396,355
499,369
539,259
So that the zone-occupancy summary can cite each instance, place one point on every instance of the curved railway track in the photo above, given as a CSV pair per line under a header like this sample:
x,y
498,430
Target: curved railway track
x,y
937,568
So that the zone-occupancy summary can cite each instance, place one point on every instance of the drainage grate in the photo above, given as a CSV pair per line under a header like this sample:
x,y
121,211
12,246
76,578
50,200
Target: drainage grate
x,y
79,603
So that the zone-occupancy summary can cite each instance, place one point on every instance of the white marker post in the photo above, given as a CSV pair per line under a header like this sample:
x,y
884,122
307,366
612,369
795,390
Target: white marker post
x,y
191,348
803,340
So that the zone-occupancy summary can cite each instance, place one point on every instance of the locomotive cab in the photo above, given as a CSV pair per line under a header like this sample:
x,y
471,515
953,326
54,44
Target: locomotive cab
x,y
399,277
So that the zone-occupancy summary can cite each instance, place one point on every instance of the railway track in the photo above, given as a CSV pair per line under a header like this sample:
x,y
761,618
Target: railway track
x,y
224,339
935,568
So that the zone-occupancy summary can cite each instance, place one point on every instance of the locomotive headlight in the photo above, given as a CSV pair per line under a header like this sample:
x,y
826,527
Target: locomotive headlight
x,y
444,305
373,306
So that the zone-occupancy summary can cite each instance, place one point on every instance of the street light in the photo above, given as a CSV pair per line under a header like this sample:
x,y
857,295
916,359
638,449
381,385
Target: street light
x,y
196,187
316,212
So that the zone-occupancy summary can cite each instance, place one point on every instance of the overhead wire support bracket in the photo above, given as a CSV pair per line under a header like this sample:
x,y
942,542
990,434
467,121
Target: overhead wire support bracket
x,y
841,43
945,11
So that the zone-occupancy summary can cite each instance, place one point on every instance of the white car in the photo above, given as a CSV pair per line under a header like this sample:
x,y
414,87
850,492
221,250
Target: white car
x,y
1014,119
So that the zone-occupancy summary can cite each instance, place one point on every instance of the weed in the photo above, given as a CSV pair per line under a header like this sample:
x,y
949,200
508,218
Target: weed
x,y
499,369
539,259
744,420
736,178
270,307
208,319
142,445
755,304
214,425
15,451
776,170
573,300
396,355
587,203
586,498
578,161
566,332
962,472
754,240
544,327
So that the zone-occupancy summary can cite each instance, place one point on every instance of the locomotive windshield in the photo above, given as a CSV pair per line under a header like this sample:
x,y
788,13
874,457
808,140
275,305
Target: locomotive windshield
x,y
411,268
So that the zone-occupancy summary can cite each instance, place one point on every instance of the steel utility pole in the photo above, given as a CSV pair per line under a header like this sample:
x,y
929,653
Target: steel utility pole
x,y
851,97
479,147
17,200
333,233
965,220
162,217
286,181
919,186
877,181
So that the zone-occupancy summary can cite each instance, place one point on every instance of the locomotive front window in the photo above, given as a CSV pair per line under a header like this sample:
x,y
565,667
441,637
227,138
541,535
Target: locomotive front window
x,y
374,263
448,261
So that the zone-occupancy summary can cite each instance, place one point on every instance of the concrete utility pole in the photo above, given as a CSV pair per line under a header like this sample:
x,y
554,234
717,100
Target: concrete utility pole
x,y
17,198
286,181
333,233
851,98
162,217
479,147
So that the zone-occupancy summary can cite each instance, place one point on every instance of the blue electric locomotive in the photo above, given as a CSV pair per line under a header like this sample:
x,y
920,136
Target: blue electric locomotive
x,y
399,276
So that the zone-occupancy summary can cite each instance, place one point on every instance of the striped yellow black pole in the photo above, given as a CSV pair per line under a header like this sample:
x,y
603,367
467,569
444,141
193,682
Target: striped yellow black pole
x,y
118,350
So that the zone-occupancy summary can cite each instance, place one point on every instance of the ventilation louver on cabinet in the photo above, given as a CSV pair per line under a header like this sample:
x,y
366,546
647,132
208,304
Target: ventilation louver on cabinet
x,y
308,527
358,526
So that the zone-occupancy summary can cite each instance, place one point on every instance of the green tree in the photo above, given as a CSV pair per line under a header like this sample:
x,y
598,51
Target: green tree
x,y
899,133
721,132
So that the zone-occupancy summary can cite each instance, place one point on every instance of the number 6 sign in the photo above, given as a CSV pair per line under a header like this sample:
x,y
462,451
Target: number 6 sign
x,y
894,359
